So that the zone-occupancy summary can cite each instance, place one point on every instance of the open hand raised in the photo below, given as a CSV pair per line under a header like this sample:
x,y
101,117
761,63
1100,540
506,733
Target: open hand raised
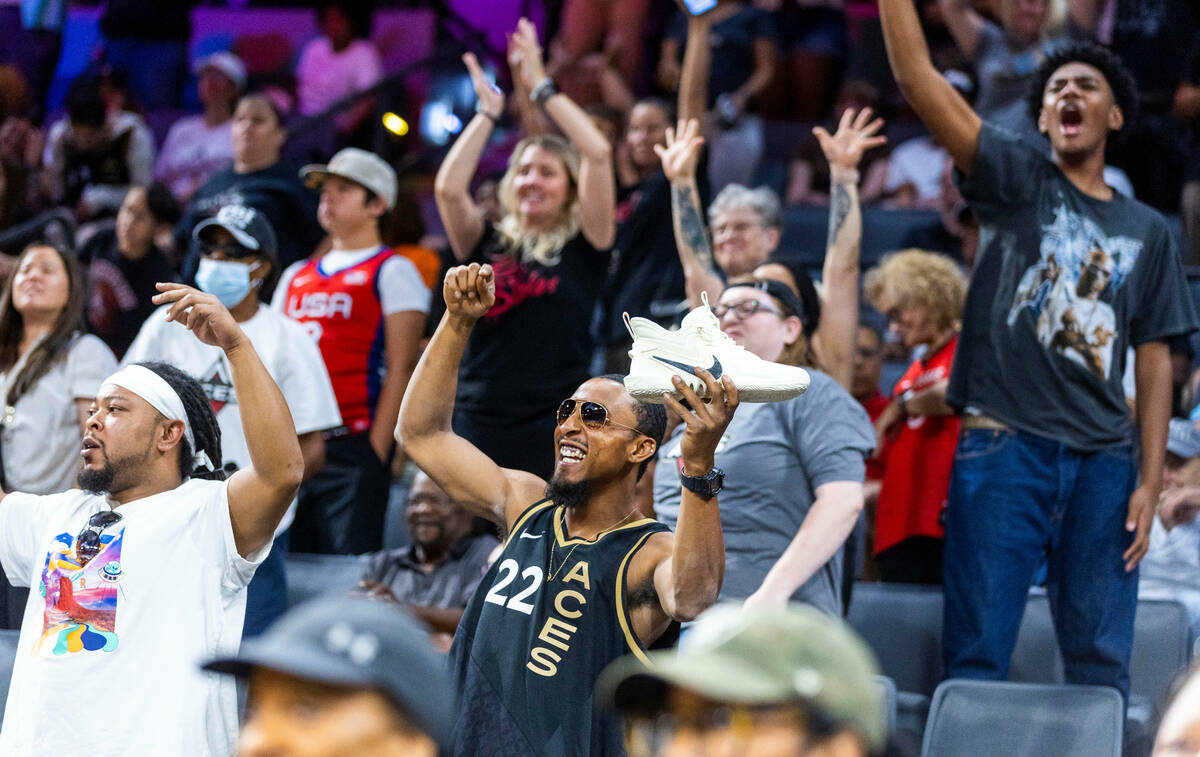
x,y
682,150
491,99
202,314
855,135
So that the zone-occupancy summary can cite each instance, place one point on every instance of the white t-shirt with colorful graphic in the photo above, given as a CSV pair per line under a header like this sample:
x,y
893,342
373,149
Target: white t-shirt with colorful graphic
x,y
107,663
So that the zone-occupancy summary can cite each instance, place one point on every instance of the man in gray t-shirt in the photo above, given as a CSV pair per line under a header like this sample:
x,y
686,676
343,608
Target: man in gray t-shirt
x,y
1068,274
778,459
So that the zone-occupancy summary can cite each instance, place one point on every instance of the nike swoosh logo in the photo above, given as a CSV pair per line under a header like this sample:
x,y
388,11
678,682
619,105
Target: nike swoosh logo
x,y
527,535
715,369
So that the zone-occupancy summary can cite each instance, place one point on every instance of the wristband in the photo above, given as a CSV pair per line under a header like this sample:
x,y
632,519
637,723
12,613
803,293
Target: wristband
x,y
480,111
544,90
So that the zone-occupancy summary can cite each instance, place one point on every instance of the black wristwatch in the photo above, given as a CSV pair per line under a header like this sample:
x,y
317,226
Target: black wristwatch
x,y
706,486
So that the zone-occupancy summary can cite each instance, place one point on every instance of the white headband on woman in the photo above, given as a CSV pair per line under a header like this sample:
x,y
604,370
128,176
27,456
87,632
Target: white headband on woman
x,y
153,388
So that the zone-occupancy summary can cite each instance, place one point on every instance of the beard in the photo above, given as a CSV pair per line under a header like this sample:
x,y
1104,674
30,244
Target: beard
x,y
569,495
113,473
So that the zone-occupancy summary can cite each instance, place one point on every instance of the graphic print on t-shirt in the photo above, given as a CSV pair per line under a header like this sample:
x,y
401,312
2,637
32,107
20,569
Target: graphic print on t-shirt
x,y
81,601
217,384
516,283
1070,290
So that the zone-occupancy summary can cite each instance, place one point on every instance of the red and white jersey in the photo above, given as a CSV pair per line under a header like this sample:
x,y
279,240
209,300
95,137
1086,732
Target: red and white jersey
x,y
342,312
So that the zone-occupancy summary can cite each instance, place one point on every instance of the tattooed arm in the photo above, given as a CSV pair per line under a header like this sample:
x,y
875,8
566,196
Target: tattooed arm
x,y
691,237
834,340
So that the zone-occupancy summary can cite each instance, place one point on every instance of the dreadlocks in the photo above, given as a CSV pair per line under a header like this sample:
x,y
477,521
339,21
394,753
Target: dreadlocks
x,y
200,419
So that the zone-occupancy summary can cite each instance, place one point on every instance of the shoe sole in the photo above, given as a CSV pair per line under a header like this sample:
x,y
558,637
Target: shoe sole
x,y
651,390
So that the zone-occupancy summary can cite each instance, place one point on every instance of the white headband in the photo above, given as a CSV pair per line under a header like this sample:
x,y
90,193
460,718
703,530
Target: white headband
x,y
151,387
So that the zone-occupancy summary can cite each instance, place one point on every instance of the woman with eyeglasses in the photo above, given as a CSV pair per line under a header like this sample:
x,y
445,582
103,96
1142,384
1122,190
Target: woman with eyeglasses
x,y
922,294
550,257
793,469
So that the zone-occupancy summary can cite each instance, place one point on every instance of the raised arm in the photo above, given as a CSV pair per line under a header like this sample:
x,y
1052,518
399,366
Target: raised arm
x,y
461,217
693,79
965,24
679,158
467,475
945,113
597,187
839,306
688,578
260,494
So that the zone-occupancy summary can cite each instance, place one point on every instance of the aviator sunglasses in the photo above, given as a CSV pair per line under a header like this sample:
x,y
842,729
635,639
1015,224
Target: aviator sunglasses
x,y
593,414
87,543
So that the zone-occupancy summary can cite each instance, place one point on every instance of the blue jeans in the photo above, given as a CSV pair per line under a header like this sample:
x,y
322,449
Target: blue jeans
x,y
1017,500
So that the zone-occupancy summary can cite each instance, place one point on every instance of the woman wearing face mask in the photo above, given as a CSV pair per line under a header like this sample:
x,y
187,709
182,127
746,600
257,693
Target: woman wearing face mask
x,y
49,374
550,256
240,257
793,469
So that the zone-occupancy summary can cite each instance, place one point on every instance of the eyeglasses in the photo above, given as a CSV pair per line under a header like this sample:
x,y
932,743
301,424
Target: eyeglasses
x,y
87,544
593,414
227,250
744,309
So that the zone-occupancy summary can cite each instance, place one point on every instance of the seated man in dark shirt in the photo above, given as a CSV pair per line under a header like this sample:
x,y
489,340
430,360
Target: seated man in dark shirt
x,y
437,573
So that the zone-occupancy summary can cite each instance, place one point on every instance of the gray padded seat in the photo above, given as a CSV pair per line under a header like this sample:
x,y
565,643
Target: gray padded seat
x,y
310,576
8,656
887,687
1003,719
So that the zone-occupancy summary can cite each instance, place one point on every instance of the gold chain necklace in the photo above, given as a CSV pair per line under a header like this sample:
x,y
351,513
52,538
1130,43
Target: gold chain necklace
x,y
550,572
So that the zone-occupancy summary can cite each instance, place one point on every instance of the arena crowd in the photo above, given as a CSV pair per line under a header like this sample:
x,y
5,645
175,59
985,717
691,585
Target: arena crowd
x,y
519,402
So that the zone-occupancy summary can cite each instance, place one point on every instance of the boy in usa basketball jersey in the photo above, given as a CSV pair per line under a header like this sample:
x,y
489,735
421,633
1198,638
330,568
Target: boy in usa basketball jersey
x,y
584,577
365,307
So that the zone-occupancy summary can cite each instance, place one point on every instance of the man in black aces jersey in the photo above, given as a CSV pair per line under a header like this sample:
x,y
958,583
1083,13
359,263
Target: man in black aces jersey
x,y
583,578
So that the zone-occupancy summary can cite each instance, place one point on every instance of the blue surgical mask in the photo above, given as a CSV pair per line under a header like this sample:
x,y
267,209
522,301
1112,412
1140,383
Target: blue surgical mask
x,y
227,280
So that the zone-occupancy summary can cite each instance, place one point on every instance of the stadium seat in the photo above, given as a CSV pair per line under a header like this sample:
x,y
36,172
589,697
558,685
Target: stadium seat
x,y
903,626
8,655
310,576
1035,658
1001,719
888,688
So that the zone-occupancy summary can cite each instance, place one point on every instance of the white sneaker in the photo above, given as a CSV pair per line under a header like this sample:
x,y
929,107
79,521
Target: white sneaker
x,y
659,354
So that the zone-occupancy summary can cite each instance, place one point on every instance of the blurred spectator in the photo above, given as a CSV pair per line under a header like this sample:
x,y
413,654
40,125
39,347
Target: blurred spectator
x,y
922,295
758,683
794,469
15,97
13,185
364,306
647,279
1179,731
549,254
1005,56
1186,109
434,577
197,147
259,180
746,226
607,33
1154,39
343,676
124,264
240,252
49,374
147,40
340,62
868,366
32,41
51,371
1171,567
914,173
814,37
21,148
743,55
808,172
93,155
956,232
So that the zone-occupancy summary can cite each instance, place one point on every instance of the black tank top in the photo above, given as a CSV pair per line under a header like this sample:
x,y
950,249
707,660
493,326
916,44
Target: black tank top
x,y
547,617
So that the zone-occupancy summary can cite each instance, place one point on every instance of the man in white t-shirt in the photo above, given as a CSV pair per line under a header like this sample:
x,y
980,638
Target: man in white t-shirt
x,y
240,253
365,307
142,571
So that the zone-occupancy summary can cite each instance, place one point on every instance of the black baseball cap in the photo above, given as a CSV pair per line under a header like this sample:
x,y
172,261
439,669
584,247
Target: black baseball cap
x,y
355,642
248,226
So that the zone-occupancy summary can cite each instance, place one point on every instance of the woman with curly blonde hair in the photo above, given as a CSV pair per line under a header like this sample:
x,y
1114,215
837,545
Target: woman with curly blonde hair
x,y
922,295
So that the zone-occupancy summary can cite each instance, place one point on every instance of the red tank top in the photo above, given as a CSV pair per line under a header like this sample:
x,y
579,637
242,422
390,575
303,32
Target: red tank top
x,y
343,314
916,478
